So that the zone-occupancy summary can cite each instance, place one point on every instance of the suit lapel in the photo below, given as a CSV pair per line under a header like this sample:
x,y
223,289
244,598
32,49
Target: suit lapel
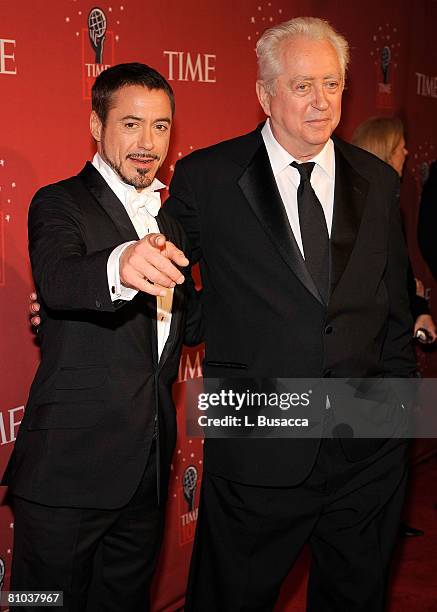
x,y
349,203
259,187
100,189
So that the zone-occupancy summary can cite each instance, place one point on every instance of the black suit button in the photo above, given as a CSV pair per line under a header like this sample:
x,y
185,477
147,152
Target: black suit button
x,y
98,304
329,329
327,374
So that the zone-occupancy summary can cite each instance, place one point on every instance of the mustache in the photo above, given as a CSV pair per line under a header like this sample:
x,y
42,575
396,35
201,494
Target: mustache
x,y
143,156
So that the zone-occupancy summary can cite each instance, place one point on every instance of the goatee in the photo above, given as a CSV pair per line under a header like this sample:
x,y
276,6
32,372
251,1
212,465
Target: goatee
x,y
141,181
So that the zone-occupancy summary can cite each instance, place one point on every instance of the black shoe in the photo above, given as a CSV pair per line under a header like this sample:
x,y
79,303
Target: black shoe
x,y
409,532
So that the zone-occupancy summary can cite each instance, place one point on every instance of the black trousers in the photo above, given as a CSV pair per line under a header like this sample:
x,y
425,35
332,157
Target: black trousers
x,y
102,560
248,537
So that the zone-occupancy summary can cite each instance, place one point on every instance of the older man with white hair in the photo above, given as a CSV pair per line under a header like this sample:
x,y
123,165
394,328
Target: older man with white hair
x,y
304,272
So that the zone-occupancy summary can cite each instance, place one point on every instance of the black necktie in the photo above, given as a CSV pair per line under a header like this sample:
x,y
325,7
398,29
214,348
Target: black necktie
x,y
315,237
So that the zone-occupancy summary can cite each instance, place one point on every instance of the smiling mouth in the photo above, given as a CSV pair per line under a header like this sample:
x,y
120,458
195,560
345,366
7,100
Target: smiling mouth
x,y
143,160
142,163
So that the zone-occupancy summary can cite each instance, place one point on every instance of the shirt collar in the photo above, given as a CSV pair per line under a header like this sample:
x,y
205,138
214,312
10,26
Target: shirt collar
x,y
121,189
280,158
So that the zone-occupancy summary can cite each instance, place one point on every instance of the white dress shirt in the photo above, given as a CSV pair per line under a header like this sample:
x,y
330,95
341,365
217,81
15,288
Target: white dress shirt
x,y
288,178
142,208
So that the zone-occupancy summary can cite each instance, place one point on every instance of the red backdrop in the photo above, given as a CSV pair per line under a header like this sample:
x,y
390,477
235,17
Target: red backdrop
x,y
206,50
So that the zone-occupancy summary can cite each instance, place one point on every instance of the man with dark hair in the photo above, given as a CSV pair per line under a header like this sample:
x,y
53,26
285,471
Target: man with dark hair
x,y
90,468
123,75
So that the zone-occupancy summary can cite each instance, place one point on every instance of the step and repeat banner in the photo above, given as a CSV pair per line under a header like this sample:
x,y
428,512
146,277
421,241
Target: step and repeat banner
x,y
50,54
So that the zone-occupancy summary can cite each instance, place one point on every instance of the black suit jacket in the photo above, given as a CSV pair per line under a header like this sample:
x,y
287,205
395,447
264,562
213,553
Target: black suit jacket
x,y
90,418
263,316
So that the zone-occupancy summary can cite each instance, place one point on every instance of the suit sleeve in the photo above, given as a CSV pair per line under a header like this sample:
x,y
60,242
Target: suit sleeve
x,y
181,205
398,355
66,277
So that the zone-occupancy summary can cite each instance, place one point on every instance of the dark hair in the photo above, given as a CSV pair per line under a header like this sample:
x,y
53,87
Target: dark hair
x,y
114,78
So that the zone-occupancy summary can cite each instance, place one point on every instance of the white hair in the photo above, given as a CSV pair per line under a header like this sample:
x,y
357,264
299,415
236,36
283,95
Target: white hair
x,y
269,46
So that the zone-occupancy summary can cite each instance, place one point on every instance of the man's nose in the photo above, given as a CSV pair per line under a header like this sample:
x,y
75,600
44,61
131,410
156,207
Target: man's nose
x,y
145,139
319,98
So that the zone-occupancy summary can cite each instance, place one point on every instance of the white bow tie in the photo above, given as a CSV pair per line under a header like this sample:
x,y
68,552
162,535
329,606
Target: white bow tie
x,y
150,200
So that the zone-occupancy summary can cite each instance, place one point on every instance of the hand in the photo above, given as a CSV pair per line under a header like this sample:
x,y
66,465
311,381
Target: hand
x,y
147,265
34,307
425,321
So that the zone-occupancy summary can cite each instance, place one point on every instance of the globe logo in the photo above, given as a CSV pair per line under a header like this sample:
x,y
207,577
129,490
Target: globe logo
x,y
189,484
96,32
385,63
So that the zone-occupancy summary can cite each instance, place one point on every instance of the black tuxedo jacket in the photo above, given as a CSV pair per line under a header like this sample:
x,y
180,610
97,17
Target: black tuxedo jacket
x,y
90,418
263,316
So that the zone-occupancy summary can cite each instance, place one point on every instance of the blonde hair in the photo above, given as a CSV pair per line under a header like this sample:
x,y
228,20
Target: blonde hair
x,y
269,46
380,136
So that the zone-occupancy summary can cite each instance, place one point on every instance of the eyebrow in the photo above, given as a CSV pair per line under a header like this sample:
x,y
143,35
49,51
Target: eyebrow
x,y
310,78
132,117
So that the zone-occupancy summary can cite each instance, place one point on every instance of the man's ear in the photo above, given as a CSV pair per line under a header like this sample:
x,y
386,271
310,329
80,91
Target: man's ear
x,y
96,126
263,97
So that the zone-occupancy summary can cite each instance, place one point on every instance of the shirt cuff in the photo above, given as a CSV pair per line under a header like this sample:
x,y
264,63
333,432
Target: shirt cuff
x,y
116,289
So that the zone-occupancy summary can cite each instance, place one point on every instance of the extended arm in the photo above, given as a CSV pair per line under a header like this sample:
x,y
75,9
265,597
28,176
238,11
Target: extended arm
x,y
69,278
66,277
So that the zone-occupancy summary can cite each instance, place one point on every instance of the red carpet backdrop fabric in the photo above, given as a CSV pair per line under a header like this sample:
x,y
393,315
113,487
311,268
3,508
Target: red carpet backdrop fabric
x,y
50,53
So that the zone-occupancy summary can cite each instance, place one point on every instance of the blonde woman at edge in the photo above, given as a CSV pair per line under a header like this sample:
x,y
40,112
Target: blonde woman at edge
x,y
384,137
